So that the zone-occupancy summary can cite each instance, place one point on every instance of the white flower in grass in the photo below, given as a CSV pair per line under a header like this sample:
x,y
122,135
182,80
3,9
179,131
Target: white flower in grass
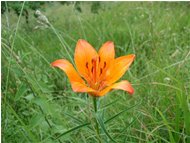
x,y
175,53
42,20
167,79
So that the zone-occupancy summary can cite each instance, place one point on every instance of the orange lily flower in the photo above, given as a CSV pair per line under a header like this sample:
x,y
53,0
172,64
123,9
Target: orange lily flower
x,y
97,72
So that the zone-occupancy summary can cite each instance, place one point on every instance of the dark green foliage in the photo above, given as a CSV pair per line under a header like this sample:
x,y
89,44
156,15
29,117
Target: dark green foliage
x,y
77,6
95,7
16,7
3,7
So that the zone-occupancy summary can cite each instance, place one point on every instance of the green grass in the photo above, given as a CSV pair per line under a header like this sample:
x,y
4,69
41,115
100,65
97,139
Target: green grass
x,y
38,104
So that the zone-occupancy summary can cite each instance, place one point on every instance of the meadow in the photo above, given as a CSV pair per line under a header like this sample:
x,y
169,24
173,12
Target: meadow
x,y
38,104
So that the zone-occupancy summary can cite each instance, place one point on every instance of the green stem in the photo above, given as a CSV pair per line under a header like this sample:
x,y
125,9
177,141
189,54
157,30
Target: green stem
x,y
97,126
95,104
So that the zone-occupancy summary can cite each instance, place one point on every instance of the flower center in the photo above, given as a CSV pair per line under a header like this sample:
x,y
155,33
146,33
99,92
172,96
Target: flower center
x,y
96,71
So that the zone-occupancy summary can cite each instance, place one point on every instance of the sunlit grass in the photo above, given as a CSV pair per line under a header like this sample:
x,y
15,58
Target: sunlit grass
x,y
38,104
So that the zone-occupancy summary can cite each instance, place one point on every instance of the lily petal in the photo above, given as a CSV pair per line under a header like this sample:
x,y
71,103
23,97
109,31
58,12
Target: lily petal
x,y
79,87
106,53
84,53
118,68
122,85
68,68
106,56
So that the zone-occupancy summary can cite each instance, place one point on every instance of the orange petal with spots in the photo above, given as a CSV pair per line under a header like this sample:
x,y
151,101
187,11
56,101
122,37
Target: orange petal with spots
x,y
106,56
84,53
106,53
123,85
118,68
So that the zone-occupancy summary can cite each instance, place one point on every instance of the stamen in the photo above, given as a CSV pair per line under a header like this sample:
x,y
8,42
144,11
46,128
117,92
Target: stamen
x,y
92,70
99,59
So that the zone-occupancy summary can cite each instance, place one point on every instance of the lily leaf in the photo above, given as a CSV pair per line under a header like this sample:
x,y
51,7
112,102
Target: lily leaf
x,y
102,125
121,112
71,130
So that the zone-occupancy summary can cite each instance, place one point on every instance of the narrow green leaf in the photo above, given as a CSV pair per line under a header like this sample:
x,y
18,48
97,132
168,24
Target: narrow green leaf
x,y
109,104
101,123
167,125
186,112
21,91
78,120
42,102
71,130
29,97
36,120
120,113
130,124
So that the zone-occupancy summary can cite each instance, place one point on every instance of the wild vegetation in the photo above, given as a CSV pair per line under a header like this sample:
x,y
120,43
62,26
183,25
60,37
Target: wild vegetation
x,y
38,104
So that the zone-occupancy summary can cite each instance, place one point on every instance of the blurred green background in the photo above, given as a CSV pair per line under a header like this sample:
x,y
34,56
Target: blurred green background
x,y
38,104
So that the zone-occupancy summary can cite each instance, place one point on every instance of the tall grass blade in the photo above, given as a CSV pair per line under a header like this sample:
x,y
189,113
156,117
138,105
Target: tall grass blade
x,y
167,125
